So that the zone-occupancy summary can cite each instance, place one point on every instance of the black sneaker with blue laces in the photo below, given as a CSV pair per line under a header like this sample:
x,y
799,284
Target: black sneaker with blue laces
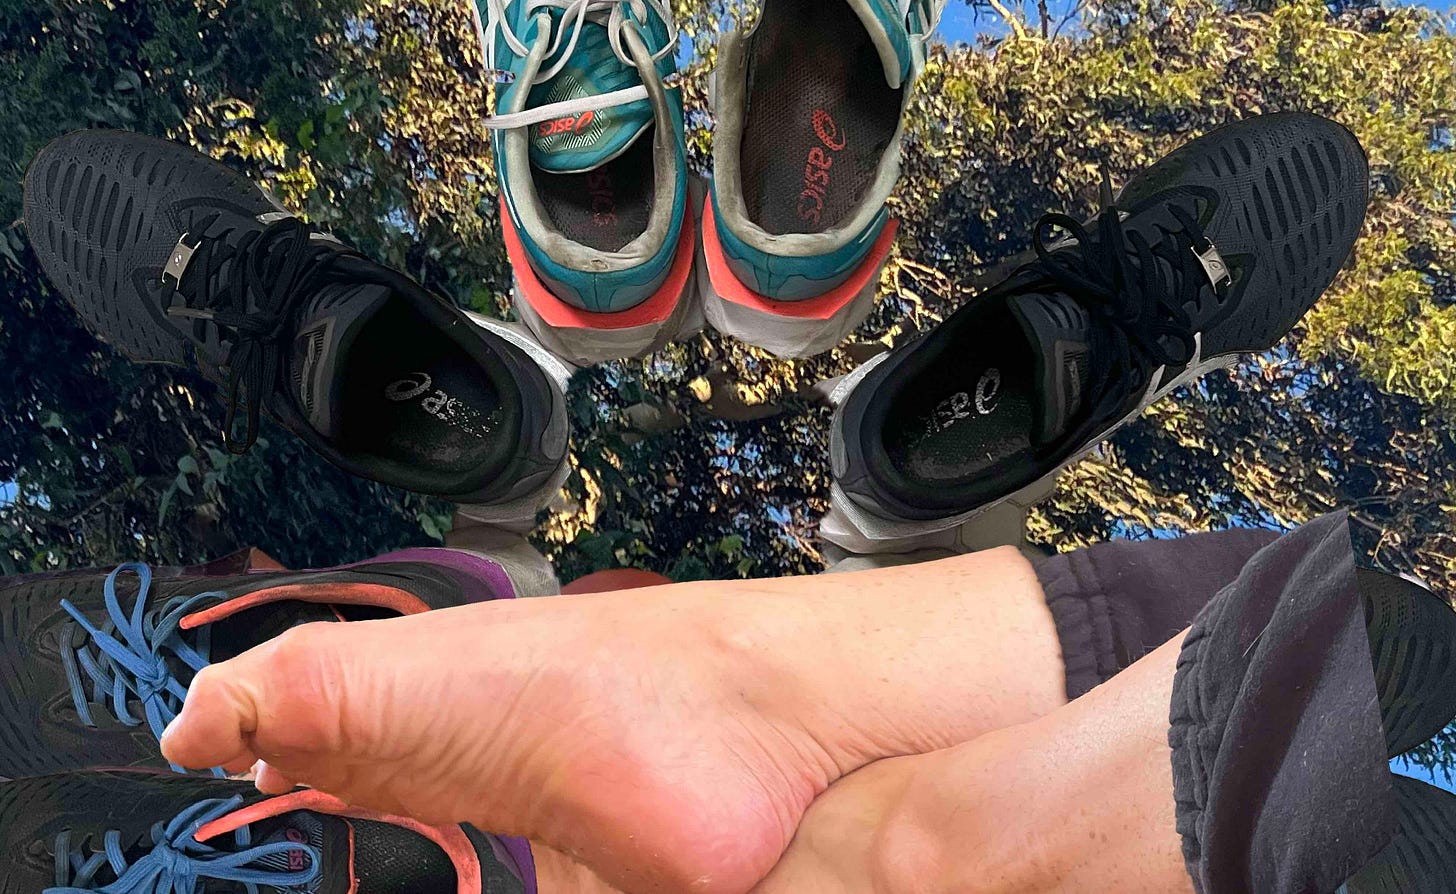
x,y
129,832
1215,251
94,665
171,257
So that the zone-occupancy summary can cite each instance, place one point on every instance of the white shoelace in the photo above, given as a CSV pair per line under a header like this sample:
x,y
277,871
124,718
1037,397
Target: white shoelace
x,y
578,13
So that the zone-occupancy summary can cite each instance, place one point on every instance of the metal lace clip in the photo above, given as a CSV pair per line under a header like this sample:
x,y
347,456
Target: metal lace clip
x,y
1213,265
177,262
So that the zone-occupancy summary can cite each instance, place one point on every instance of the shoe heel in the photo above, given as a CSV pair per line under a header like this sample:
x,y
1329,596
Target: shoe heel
x,y
788,329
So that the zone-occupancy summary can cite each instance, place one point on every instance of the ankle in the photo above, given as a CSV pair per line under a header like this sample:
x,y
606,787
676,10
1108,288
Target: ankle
x,y
896,661
967,823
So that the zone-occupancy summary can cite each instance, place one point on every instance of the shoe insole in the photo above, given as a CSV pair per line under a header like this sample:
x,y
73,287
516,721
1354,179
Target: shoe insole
x,y
968,413
608,206
820,116
414,396
249,628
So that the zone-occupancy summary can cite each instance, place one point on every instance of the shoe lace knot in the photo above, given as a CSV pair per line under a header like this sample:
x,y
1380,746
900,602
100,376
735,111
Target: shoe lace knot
x,y
124,659
173,861
617,16
252,290
1136,290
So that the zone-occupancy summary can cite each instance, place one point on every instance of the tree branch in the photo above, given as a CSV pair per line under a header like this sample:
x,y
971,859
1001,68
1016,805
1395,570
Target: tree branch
x,y
1018,28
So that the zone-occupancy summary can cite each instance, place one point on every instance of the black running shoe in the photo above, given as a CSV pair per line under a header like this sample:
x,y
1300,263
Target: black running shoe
x,y
1413,651
1421,859
1215,251
172,257
139,833
93,666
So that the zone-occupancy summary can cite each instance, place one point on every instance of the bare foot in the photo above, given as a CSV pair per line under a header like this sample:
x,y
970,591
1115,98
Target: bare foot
x,y
668,738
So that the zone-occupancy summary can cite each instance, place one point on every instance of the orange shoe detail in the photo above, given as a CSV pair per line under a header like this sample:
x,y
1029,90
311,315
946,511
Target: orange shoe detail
x,y
560,315
450,839
730,288
375,595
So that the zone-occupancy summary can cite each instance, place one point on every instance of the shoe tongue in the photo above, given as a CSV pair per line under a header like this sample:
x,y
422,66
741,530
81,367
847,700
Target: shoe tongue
x,y
1057,330
326,331
577,143
327,835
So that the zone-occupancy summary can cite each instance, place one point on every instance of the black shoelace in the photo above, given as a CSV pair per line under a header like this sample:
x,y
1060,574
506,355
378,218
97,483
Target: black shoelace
x,y
273,271
1137,303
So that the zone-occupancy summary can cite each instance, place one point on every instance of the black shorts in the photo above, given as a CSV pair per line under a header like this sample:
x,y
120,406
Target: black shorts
x,y
1281,779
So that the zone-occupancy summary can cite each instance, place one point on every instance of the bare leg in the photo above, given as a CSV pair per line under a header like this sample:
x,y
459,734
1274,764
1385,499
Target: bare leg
x,y
670,738
1079,800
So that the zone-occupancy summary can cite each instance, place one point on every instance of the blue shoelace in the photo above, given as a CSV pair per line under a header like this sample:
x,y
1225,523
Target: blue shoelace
x,y
177,863
123,658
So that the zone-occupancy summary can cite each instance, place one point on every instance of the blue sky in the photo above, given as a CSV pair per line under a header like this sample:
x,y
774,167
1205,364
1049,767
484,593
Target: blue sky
x,y
960,23
1415,772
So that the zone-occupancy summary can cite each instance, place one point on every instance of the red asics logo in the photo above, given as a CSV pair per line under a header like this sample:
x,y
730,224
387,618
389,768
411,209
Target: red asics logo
x,y
827,130
817,165
559,126
297,859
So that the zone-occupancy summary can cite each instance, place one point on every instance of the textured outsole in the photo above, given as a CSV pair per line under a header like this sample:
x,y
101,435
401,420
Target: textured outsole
x,y
1413,651
1421,859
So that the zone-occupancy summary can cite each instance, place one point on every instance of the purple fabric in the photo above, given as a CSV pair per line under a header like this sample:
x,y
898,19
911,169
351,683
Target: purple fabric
x,y
483,579
515,854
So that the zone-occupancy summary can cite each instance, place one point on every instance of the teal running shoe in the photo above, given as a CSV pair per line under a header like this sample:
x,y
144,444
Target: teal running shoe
x,y
588,141
809,107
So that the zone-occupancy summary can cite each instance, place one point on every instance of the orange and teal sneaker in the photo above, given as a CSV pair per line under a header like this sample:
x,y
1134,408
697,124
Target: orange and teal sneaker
x,y
591,162
809,107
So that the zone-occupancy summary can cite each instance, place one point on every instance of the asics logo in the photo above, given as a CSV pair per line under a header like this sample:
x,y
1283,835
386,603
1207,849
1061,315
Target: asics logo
x,y
964,405
988,391
408,389
435,401
816,167
571,124
297,861
827,130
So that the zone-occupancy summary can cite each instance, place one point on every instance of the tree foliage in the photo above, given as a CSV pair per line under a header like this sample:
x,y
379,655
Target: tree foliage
x,y
366,116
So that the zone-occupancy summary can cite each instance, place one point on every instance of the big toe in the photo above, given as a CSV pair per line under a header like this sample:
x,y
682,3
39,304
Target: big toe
x,y
281,698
